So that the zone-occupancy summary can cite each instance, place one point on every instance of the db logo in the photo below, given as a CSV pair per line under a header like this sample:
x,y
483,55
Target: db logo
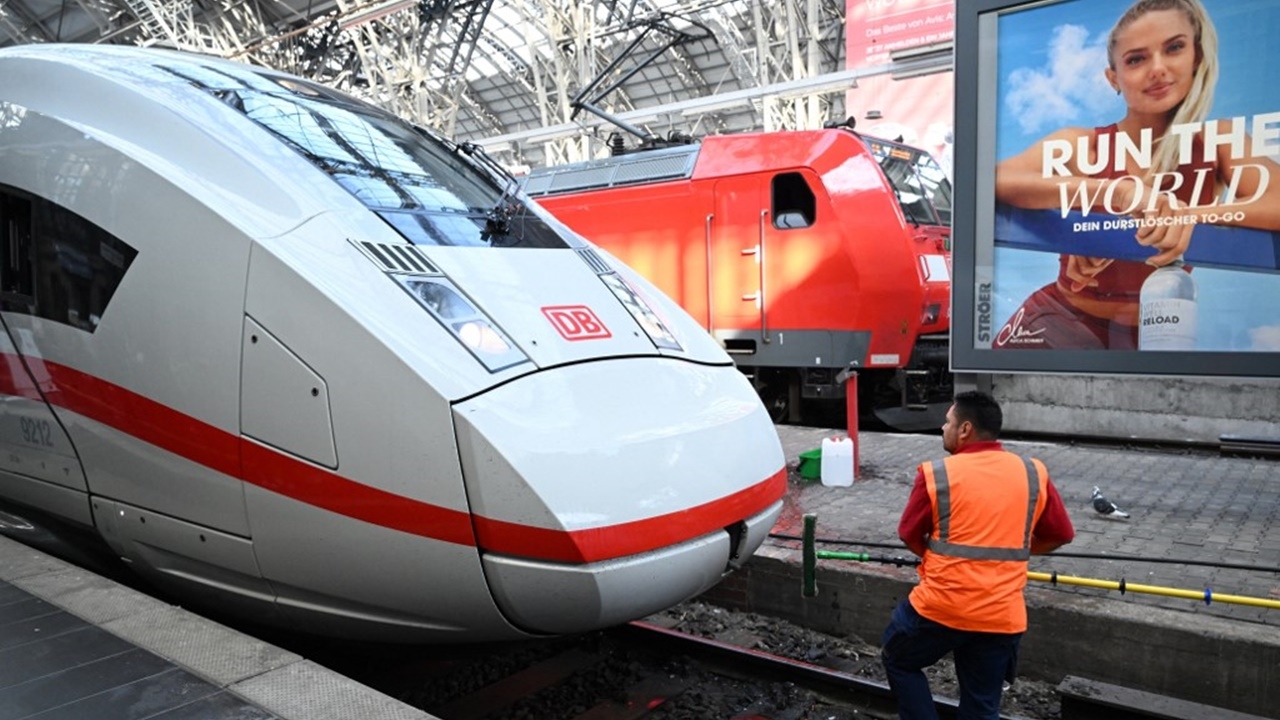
x,y
576,322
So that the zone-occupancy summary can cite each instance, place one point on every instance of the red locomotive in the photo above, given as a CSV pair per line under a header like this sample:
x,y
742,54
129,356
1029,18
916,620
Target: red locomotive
x,y
805,253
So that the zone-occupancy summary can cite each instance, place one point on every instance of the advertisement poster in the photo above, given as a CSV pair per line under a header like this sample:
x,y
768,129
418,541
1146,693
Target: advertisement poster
x,y
1136,184
879,27
916,111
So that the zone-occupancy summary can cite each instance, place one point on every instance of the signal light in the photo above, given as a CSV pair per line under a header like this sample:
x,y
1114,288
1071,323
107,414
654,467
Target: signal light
x,y
640,310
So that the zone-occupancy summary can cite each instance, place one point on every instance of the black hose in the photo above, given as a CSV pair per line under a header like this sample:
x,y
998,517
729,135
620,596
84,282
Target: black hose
x,y
1085,556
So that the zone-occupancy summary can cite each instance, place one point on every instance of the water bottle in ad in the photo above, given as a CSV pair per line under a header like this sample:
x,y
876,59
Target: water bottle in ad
x,y
1168,309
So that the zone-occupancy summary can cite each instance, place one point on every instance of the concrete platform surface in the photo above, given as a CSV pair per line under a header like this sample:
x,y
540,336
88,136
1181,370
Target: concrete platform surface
x,y
1192,514
74,646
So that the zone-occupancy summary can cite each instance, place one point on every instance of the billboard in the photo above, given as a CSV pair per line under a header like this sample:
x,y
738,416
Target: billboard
x,y
878,27
1117,189
913,110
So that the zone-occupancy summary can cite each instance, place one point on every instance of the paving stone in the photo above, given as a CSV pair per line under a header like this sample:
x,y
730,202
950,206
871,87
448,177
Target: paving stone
x,y
1186,505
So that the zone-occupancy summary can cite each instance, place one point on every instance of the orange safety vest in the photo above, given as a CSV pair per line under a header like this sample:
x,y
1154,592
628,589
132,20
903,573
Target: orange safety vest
x,y
985,505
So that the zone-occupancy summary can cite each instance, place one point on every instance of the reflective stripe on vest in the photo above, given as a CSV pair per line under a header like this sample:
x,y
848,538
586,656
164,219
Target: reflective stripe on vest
x,y
941,544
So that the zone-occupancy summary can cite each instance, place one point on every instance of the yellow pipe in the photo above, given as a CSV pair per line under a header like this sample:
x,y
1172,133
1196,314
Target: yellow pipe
x,y
1207,595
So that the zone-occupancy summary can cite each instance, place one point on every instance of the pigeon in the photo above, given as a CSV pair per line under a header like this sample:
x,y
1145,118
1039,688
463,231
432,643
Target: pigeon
x,y
1104,506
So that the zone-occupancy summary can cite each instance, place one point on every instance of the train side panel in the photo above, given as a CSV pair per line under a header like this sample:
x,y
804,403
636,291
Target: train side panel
x,y
874,238
38,463
108,356
397,487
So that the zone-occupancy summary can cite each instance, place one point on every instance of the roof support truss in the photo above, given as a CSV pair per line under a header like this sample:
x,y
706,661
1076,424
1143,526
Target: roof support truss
x,y
480,69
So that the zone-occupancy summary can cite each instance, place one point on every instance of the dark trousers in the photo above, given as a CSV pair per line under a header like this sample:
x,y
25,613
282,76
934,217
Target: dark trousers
x,y
982,660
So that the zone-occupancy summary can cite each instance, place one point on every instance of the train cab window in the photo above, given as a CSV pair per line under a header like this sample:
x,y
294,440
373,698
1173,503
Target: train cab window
x,y
936,186
922,189
430,190
793,202
57,265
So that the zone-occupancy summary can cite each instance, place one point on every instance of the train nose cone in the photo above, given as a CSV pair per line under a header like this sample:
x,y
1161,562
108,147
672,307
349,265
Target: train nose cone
x,y
606,491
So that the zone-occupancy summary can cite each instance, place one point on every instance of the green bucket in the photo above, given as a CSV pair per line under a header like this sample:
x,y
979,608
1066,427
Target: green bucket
x,y
811,464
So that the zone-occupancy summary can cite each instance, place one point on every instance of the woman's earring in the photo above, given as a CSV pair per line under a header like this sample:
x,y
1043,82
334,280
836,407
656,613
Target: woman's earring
x,y
1117,91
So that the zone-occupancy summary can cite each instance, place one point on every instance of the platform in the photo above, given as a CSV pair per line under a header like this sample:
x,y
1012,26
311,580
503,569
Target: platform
x,y
1187,507
74,646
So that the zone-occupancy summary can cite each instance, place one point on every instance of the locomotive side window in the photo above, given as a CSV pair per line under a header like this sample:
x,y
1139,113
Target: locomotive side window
x,y
57,265
793,201
17,279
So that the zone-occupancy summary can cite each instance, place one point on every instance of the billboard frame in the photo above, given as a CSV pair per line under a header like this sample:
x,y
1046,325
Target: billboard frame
x,y
976,47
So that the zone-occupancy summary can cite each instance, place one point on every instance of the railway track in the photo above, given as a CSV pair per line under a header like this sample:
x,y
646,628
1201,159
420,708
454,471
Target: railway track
x,y
643,671
648,671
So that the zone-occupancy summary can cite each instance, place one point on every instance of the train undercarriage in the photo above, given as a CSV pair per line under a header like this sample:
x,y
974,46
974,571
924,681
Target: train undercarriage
x,y
911,398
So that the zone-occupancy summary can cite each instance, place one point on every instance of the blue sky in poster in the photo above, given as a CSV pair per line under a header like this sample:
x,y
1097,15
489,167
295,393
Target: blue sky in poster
x,y
1050,75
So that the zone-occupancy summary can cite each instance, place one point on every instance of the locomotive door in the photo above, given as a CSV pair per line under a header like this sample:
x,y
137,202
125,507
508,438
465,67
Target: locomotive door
x,y
33,443
737,261
759,220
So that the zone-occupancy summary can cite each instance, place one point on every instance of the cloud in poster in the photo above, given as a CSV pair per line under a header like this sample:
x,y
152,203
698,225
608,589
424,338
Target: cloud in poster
x,y
1069,88
1265,338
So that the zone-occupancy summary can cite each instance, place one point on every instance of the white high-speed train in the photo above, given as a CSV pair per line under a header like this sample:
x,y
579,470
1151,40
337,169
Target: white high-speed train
x,y
287,353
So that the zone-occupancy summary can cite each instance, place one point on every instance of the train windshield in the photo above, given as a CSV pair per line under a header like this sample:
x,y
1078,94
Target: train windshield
x,y
427,188
922,188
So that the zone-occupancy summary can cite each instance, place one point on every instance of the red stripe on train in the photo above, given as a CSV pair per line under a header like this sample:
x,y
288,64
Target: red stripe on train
x,y
270,469
604,543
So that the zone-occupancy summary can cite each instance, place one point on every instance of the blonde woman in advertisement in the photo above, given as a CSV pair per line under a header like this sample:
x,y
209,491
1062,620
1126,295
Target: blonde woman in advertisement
x,y
1163,60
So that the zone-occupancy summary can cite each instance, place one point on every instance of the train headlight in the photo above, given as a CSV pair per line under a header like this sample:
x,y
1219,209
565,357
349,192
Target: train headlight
x,y
481,336
640,310
464,321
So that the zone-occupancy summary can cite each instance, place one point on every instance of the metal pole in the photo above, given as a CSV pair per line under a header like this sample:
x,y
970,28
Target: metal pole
x,y
851,410
809,562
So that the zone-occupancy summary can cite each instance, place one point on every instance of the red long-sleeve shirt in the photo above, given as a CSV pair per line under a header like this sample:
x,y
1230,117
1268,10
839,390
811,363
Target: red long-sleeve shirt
x,y
1054,526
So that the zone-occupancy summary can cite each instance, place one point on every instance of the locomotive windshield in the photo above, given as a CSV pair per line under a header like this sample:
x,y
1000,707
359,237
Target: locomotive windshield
x,y
922,188
427,188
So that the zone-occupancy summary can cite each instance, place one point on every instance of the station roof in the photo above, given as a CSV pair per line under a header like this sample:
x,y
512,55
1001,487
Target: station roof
x,y
506,73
